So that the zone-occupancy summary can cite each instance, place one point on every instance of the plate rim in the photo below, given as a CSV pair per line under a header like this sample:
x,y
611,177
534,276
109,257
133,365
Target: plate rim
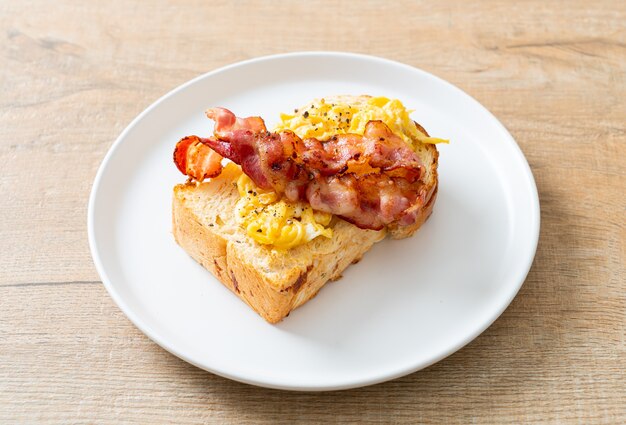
x,y
534,211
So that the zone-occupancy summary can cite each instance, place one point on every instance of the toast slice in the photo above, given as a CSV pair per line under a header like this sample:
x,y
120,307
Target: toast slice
x,y
271,282
274,282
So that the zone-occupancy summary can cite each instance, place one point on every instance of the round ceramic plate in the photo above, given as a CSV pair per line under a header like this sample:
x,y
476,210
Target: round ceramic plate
x,y
406,305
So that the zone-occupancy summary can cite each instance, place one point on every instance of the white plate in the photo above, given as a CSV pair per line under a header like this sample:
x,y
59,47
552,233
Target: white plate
x,y
408,304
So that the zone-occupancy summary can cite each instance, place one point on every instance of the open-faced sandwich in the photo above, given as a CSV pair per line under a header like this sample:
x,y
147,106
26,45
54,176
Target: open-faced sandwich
x,y
297,205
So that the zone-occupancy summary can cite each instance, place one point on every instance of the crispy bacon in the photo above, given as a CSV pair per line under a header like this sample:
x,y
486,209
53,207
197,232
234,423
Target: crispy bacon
x,y
197,160
371,180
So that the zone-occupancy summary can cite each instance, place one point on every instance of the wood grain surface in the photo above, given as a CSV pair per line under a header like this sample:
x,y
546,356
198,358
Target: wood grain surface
x,y
74,73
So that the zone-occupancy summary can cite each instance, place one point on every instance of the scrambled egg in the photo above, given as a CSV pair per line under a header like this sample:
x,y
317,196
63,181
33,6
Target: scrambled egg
x,y
271,221
322,119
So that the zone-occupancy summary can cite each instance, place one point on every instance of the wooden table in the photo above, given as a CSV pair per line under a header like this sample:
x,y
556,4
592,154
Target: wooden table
x,y
72,76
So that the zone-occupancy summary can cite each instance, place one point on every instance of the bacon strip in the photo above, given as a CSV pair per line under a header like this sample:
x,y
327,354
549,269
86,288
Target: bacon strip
x,y
195,159
371,180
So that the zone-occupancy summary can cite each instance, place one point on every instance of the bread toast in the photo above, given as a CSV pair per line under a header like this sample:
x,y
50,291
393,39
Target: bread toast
x,y
269,281
274,282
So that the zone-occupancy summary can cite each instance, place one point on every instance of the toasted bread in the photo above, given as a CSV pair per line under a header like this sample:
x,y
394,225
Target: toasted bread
x,y
275,282
271,282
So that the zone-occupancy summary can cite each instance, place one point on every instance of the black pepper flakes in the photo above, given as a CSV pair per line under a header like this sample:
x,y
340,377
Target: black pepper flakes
x,y
306,114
